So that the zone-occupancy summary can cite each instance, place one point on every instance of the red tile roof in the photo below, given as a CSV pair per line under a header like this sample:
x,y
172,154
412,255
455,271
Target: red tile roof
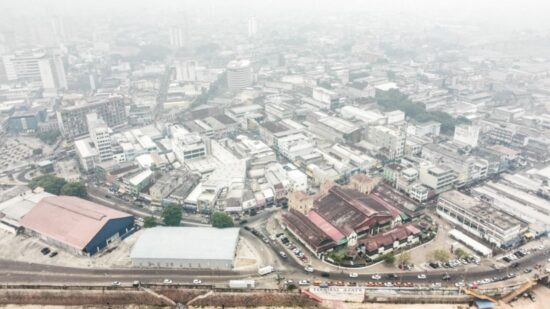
x,y
68,219
372,243
308,232
328,228
349,210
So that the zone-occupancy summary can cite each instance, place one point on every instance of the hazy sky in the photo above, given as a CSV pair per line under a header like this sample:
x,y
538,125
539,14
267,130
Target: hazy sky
x,y
515,14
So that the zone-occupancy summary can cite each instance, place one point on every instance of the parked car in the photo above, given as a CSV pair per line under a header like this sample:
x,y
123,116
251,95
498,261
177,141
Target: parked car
x,y
325,274
421,276
197,281
309,269
53,254
167,281
376,277
303,282
115,283
353,275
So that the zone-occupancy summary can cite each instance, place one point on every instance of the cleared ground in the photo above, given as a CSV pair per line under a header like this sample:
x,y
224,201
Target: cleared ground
x,y
27,249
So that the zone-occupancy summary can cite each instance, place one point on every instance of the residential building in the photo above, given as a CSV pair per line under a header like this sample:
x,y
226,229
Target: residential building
x,y
88,155
439,178
328,98
467,134
100,136
391,141
72,119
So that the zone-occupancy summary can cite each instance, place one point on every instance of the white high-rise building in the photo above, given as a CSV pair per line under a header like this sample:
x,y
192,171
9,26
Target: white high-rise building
x,y
36,66
252,27
239,74
178,37
100,136
189,71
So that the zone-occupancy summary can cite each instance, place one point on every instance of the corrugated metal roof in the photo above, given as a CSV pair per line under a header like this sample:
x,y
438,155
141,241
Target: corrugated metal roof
x,y
206,243
68,219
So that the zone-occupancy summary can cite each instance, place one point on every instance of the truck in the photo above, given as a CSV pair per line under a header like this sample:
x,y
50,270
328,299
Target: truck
x,y
265,270
242,284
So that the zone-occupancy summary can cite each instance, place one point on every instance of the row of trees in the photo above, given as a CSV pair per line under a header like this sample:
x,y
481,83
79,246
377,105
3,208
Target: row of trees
x,y
171,216
395,100
59,186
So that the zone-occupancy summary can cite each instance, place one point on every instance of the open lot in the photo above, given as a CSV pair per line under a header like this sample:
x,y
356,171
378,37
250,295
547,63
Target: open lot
x,y
15,151
27,249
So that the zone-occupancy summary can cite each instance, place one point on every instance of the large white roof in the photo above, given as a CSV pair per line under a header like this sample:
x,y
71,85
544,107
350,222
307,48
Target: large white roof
x,y
194,243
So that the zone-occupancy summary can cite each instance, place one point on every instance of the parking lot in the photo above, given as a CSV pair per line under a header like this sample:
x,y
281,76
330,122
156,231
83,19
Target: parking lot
x,y
28,249
15,151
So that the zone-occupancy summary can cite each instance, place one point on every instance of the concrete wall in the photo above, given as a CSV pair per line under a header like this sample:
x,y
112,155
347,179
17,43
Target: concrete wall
x,y
182,263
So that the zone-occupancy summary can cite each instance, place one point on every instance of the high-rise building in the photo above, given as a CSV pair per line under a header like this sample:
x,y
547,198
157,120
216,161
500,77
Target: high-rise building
x,y
178,36
36,66
58,28
239,74
100,135
252,27
189,71
72,119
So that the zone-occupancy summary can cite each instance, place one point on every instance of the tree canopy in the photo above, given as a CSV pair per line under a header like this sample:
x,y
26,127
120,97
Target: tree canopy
x,y
389,258
59,186
221,220
49,137
171,215
395,100
74,189
51,184
149,222
441,255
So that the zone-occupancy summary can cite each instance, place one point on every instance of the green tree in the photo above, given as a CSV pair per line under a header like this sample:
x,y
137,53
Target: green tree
x,y
149,222
74,189
404,258
291,287
221,220
49,137
171,215
441,255
460,253
389,258
51,184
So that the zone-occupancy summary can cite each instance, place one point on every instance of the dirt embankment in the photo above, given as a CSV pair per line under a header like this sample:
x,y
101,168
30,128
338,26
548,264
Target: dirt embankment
x,y
119,298
253,300
76,298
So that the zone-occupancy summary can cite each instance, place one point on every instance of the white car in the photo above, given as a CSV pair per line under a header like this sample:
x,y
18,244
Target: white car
x,y
353,275
197,281
376,277
115,283
309,269
167,281
421,276
459,284
388,284
303,282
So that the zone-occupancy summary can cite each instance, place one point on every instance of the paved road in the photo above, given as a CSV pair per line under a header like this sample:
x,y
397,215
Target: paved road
x,y
21,272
